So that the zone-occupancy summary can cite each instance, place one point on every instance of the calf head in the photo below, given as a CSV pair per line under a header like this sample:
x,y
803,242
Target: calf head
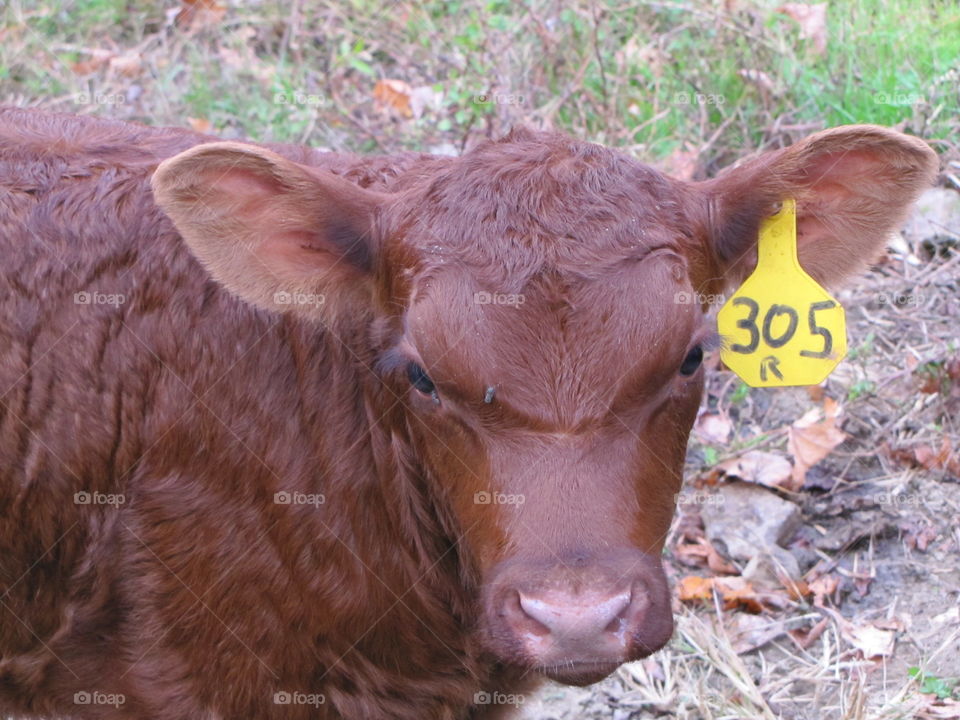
x,y
524,305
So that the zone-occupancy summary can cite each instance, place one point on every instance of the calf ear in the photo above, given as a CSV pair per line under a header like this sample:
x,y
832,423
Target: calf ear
x,y
279,235
852,184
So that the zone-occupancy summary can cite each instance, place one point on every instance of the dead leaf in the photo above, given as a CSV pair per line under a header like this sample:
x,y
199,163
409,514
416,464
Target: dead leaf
x,y
749,632
702,552
876,639
199,14
97,60
128,65
823,587
934,459
952,367
393,95
796,589
200,125
871,640
805,638
811,438
762,468
737,592
813,23
693,587
939,709
713,428
919,538
862,583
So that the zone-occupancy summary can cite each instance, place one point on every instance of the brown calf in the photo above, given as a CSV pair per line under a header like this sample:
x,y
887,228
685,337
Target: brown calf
x,y
409,431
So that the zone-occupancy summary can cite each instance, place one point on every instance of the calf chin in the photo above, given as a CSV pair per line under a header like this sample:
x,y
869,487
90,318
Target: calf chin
x,y
577,619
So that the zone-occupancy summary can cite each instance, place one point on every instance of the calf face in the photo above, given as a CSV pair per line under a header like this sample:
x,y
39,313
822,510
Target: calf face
x,y
517,310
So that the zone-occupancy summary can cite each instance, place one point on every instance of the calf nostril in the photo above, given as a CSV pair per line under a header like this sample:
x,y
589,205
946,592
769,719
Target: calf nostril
x,y
617,623
517,615
576,616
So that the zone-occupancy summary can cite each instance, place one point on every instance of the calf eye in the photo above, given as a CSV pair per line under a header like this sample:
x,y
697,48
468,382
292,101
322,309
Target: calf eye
x,y
420,380
692,361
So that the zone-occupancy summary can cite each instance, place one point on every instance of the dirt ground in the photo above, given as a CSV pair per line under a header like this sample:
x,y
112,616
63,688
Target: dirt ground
x,y
871,630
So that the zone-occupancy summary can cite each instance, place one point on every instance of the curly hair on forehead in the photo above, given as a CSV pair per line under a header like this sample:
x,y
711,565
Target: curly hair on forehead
x,y
535,202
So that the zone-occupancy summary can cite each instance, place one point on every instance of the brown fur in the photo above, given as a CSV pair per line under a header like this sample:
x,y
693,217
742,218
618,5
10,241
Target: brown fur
x,y
200,596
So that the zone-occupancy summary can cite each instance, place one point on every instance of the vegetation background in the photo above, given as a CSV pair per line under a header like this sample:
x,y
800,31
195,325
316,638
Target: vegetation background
x,y
868,461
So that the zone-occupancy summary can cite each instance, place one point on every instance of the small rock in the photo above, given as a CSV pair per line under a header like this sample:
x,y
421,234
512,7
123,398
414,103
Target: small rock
x,y
766,568
752,522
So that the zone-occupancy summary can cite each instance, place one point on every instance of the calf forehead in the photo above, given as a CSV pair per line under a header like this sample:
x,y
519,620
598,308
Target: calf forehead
x,y
532,199
563,349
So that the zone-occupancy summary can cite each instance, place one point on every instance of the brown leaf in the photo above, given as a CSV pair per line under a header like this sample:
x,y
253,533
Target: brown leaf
x,y
693,587
128,65
805,638
862,583
934,459
691,554
952,367
810,439
823,587
813,23
762,468
198,14
200,125
716,562
737,592
97,60
701,552
919,538
796,589
393,95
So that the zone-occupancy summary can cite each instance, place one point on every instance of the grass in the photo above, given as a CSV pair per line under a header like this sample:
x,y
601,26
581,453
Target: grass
x,y
655,78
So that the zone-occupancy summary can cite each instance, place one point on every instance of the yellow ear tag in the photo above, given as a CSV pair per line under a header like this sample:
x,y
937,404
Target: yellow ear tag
x,y
781,328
